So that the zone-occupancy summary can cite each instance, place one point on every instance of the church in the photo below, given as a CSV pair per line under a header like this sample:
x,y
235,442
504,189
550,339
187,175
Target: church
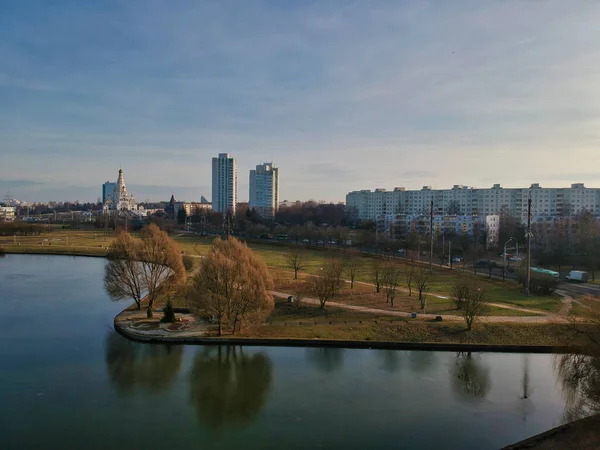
x,y
115,196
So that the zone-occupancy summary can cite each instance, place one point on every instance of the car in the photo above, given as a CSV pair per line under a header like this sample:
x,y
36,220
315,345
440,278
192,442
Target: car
x,y
305,241
319,242
457,259
516,258
332,242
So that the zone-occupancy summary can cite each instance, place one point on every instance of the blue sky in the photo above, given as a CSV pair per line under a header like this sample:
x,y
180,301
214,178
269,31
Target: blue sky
x,y
341,95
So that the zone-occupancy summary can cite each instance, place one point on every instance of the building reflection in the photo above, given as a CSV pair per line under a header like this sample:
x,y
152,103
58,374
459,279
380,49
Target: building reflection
x,y
229,387
470,377
579,377
150,368
325,359
390,360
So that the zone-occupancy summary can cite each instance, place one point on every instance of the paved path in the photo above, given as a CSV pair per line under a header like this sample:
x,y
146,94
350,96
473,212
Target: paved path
x,y
550,318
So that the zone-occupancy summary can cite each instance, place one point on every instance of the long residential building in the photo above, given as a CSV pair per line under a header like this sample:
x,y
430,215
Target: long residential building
x,y
264,189
224,184
469,201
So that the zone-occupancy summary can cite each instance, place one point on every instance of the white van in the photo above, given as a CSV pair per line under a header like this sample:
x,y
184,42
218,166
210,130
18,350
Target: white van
x,y
577,275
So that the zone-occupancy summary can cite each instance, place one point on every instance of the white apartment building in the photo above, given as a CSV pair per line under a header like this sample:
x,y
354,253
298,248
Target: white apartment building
x,y
264,189
224,184
7,213
464,200
458,224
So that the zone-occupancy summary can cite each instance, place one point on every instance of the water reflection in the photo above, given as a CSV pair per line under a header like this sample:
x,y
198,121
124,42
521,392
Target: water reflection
x,y
148,367
390,360
579,376
228,387
470,377
325,359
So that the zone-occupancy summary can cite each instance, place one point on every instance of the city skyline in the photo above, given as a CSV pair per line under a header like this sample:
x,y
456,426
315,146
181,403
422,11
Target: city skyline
x,y
342,96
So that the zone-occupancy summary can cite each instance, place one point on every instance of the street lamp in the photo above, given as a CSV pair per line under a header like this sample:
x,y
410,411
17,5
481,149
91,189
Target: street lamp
x,y
504,255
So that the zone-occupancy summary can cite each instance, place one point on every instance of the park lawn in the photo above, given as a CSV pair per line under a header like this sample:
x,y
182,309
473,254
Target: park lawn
x,y
407,330
92,242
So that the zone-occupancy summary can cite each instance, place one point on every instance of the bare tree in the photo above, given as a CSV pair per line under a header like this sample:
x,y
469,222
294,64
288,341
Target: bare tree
x,y
391,281
123,272
460,290
337,266
474,305
161,265
296,261
475,253
377,271
423,278
233,285
352,265
326,285
410,275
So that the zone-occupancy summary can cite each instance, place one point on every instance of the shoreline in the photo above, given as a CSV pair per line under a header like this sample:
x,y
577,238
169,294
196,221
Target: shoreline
x,y
161,336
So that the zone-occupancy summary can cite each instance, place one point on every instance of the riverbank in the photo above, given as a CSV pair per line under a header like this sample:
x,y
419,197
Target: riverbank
x,y
359,332
583,434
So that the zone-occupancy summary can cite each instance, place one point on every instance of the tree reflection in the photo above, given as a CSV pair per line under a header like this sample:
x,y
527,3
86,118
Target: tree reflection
x,y
421,360
325,359
470,378
228,387
149,367
579,376
390,360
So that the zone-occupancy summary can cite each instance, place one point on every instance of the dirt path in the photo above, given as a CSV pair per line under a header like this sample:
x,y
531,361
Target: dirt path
x,y
550,318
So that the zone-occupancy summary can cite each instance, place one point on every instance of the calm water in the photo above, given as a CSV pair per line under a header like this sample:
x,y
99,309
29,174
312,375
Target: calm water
x,y
67,380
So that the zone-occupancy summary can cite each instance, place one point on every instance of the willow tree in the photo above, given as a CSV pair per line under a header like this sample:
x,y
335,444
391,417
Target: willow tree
x,y
150,265
123,272
162,267
233,285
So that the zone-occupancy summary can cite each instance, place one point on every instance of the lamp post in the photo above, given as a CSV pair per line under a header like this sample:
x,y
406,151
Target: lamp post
x,y
504,255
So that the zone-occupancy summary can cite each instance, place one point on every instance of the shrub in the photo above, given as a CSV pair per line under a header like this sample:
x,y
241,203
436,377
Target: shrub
x,y
2,251
188,262
168,312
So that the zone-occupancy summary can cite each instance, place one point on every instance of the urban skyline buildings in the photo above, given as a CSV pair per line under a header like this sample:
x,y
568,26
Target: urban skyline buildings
x,y
264,189
224,184
464,200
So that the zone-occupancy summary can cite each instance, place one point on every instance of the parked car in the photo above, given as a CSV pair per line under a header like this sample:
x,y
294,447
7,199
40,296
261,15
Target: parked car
x,y
305,241
319,242
457,259
577,275
516,258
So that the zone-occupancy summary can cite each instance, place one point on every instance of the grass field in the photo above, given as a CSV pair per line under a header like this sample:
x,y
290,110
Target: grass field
x,y
310,322
93,242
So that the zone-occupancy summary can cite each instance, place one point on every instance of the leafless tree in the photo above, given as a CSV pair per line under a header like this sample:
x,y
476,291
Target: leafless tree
x,y
123,272
233,285
352,265
409,276
326,285
460,290
161,265
391,281
296,261
377,271
473,305
337,266
423,278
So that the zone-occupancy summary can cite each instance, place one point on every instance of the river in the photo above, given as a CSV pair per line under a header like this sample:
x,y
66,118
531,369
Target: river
x,y
68,380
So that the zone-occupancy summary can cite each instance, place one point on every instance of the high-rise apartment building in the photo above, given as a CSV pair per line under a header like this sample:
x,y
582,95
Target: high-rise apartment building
x,y
264,189
224,184
108,190
463,200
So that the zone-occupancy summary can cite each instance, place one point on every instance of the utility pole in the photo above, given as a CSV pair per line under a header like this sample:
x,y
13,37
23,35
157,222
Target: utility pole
x,y
528,245
431,236
450,254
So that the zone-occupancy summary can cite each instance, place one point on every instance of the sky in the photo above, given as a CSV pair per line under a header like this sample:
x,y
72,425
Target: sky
x,y
341,95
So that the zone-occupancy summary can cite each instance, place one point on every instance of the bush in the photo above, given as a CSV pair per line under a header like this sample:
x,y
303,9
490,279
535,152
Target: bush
x,y
188,262
2,251
540,283
169,312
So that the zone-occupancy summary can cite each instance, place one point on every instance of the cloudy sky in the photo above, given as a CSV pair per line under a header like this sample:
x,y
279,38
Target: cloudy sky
x,y
342,95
